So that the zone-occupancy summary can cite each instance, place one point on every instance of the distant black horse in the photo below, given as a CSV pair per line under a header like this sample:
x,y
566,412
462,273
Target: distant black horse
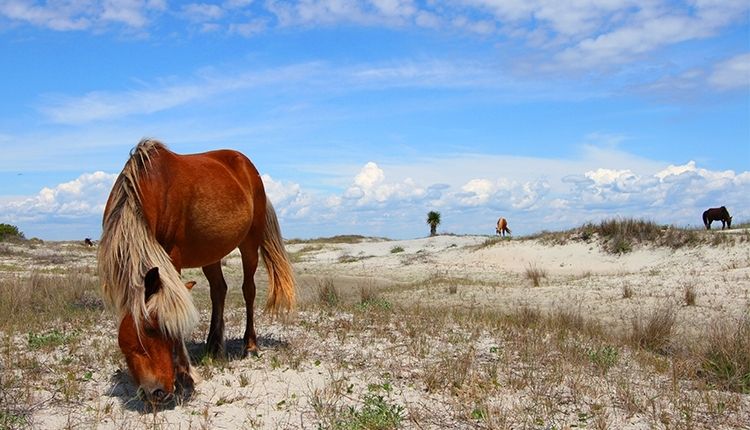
x,y
717,214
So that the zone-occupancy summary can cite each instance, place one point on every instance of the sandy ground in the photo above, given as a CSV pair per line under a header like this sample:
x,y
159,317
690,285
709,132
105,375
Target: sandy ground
x,y
578,274
280,388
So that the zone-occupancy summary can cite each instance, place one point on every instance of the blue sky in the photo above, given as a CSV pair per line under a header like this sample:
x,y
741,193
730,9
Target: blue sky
x,y
364,115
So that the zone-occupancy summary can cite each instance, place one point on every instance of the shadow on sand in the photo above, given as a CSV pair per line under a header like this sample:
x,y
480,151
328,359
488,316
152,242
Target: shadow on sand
x,y
124,388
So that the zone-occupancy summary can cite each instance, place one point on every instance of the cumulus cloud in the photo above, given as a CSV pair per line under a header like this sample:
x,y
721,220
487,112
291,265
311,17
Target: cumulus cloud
x,y
676,186
377,202
671,194
370,187
82,197
288,198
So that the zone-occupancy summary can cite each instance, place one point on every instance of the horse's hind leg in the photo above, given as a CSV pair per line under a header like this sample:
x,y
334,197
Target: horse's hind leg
x,y
215,341
249,251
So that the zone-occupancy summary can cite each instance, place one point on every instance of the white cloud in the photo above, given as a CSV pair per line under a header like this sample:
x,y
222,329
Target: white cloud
x,y
169,93
57,16
732,73
288,198
82,197
200,12
378,202
248,29
81,14
370,188
161,96
580,36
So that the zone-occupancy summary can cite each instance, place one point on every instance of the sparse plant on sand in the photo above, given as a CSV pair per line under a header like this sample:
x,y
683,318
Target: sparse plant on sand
x,y
690,295
653,331
627,291
725,357
327,292
603,357
535,273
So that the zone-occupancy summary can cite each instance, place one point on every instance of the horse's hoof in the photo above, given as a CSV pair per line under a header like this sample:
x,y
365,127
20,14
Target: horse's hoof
x,y
251,352
215,350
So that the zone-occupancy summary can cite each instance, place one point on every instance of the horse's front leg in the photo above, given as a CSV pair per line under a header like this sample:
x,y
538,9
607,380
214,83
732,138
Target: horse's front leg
x,y
215,340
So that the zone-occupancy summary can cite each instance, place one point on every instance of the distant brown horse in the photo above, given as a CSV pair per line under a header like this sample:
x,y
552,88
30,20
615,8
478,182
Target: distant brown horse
x,y
88,242
717,214
502,227
167,212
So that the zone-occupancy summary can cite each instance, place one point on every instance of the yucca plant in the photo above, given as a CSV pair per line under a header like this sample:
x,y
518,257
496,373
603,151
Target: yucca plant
x,y
433,219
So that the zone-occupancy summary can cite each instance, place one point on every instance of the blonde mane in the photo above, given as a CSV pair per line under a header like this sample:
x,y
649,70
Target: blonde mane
x,y
128,250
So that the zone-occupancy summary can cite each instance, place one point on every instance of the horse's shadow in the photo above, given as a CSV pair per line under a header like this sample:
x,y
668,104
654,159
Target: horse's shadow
x,y
124,388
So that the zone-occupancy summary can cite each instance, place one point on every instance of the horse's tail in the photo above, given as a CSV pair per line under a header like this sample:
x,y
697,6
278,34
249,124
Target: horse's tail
x,y
705,219
281,284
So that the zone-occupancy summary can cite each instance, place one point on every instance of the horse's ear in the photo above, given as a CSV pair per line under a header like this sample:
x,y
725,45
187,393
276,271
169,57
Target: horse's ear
x,y
152,282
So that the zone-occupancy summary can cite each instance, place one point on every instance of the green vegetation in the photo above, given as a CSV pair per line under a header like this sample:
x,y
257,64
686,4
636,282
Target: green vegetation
x,y
10,232
48,339
603,357
620,236
375,414
433,220
396,250
327,293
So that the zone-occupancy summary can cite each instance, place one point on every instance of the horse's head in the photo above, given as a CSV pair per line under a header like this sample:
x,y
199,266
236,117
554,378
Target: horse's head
x,y
729,222
151,355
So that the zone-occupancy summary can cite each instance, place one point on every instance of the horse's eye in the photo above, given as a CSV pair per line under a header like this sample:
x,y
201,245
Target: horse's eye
x,y
150,331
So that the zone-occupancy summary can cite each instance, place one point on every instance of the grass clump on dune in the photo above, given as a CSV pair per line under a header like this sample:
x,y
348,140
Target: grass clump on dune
x,y
623,235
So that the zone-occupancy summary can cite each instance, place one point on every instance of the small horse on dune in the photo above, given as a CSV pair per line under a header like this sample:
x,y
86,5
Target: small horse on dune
x,y
167,212
502,227
717,214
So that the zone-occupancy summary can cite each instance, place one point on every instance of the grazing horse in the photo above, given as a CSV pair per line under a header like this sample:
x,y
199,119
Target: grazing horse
x,y
167,212
88,242
502,227
717,214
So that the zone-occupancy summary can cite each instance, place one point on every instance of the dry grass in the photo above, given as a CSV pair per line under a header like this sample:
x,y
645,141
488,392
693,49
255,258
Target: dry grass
x,y
369,361
327,293
535,273
690,294
622,235
28,301
653,331
627,291
725,357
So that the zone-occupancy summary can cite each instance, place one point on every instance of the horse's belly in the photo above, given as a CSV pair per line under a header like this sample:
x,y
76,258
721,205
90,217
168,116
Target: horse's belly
x,y
213,231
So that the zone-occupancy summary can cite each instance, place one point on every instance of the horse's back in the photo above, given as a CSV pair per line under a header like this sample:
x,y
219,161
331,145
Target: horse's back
x,y
716,213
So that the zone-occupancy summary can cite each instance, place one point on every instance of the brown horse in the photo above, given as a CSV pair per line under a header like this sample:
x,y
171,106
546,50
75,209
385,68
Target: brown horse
x,y
167,212
717,214
502,227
